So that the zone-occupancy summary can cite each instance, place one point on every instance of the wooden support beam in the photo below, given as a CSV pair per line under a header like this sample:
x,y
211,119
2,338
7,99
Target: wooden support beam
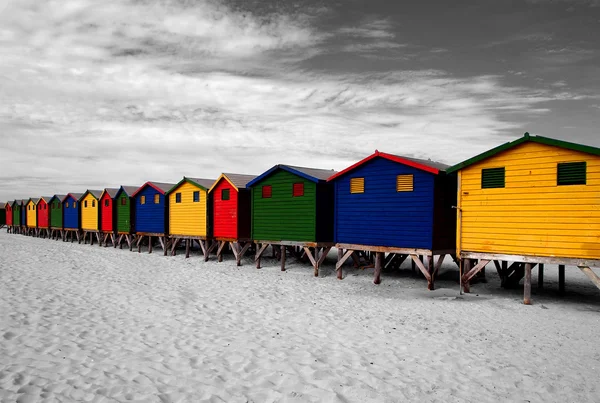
x,y
341,260
188,242
203,247
259,252
324,252
421,266
541,276
561,279
438,265
174,246
478,267
310,256
466,286
431,271
149,243
591,275
220,250
283,257
527,285
378,265
241,253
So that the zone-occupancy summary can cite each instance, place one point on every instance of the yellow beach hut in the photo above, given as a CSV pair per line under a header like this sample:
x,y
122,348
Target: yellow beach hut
x,y
532,201
31,212
189,214
89,204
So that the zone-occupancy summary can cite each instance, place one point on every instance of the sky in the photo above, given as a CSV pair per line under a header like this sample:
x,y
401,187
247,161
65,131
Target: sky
x,y
97,94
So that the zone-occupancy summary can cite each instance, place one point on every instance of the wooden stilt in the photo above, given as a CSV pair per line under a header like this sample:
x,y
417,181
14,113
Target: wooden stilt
x,y
541,276
378,264
338,269
283,258
220,250
241,252
187,248
340,262
527,285
149,243
431,271
466,269
259,251
561,279
591,275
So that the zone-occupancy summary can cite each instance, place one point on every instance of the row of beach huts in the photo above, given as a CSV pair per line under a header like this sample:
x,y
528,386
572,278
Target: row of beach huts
x,y
530,202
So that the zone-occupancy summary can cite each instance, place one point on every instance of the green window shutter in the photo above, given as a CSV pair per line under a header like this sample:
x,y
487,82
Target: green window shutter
x,y
492,178
571,173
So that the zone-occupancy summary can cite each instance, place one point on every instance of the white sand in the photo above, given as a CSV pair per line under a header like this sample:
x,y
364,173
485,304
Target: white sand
x,y
84,323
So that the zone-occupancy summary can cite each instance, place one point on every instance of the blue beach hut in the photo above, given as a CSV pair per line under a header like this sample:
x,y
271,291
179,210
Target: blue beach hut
x,y
71,216
396,205
151,217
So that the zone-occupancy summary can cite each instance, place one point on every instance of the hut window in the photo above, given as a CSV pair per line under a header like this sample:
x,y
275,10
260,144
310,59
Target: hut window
x,y
67,204
74,204
156,198
224,194
143,200
196,197
571,173
123,201
298,190
177,197
492,178
267,192
357,185
106,203
404,183
93,203
85,203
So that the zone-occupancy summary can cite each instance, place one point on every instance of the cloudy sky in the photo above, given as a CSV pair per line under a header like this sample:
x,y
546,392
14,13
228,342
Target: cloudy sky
x,y
97,94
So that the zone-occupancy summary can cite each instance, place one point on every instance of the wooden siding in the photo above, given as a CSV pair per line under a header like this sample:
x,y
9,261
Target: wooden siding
x,y
225,212
56,214
124,213
89,213
31,214
188,217
106,213
17,215
43,214
382,216
71,215
282,216
23,210
9,214
531,215
150,217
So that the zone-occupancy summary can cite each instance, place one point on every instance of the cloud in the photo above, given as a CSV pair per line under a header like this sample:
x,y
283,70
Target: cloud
x,y
122,92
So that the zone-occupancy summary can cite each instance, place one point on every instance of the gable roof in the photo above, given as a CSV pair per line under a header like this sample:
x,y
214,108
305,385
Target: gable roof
x,y
312,174
129,190
526,138
2,205
201,183
75,196
59,197
35,200
424,165
161,187
238,181
96,193
112,192
45,198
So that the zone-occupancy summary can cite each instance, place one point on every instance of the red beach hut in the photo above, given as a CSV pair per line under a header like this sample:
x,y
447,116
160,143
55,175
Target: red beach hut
x,y
232,214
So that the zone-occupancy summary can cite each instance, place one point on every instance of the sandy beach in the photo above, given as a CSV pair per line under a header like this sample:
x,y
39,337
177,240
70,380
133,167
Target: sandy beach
x,y
91,324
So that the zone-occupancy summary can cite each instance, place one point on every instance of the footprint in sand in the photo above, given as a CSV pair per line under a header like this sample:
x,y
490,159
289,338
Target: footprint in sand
x,y
9,335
